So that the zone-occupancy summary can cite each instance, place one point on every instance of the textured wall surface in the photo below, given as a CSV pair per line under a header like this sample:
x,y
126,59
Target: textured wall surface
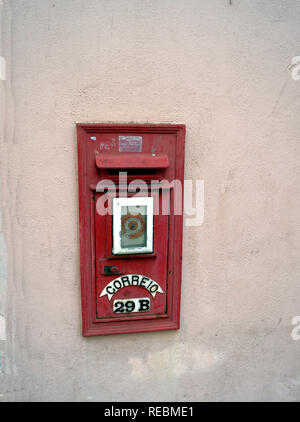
x,y
223,71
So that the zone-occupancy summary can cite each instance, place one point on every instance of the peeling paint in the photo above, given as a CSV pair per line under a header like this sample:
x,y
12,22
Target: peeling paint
x,y
175,361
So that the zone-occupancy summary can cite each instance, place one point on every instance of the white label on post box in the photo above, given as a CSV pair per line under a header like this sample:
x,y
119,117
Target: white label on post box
x,y
127,306
133,225
131,280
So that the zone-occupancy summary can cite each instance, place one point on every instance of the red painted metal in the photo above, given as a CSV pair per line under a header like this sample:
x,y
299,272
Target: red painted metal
x,y
163,155
131,160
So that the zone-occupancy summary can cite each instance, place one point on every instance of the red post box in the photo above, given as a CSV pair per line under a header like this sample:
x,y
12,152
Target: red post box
x,y
130,214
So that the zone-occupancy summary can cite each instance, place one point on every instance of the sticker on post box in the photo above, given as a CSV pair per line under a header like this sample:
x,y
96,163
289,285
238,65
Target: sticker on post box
x,y
131,280
127,306
130,143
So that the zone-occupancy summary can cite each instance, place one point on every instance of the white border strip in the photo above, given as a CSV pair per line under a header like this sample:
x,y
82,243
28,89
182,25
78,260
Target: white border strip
x,y
121,202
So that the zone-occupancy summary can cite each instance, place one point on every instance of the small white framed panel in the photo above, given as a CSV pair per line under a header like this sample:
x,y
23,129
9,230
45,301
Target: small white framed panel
x,y
132,225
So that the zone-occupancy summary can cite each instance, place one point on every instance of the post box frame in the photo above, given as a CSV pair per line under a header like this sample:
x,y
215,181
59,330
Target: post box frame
x,y
90,327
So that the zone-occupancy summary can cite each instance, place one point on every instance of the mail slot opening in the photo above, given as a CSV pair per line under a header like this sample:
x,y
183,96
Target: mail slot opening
x,y
132,172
